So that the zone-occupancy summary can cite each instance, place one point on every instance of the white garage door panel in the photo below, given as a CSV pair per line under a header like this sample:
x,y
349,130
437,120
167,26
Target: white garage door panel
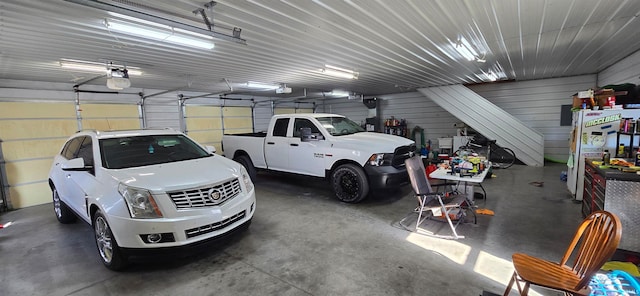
x,y
30,195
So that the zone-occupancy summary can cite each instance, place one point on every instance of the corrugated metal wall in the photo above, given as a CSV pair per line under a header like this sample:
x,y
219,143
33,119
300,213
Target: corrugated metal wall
x,y
624,71
537,104
354,109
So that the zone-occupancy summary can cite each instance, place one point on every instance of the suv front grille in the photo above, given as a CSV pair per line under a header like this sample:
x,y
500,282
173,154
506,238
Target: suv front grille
x,y
215,226
401,153
208,196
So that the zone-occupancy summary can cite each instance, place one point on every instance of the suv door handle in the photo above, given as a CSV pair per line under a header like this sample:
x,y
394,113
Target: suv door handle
x,y
270,143
293,144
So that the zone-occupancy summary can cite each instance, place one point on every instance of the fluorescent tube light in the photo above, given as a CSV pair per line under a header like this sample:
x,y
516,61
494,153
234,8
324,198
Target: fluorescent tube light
x,y
339,72
251,84
339,93
85,66
161,33
465,49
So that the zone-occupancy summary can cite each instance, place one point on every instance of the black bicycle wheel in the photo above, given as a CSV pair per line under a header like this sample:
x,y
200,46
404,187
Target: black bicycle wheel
x,y
502,157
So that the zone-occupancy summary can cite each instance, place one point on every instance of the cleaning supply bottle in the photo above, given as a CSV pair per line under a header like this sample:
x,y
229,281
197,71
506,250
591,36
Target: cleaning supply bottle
x,y
606,157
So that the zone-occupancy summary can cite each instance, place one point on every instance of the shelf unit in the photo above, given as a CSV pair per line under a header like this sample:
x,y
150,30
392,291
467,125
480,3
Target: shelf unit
x,y
626,154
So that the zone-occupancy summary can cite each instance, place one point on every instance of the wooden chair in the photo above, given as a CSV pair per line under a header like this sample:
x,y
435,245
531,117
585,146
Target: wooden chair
x,y
593,244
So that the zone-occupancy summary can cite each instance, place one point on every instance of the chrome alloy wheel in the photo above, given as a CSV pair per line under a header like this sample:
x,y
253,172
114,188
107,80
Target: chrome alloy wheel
x,y
104,239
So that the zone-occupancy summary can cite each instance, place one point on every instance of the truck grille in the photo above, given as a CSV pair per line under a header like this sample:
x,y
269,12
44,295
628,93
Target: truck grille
x,y
401,153
193,232
207,196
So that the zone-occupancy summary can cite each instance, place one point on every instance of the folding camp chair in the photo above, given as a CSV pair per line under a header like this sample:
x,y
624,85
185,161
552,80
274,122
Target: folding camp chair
x,y
441,207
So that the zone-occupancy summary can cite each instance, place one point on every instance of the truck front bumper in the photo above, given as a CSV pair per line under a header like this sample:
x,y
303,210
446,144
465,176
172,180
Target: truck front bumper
x,y
386,176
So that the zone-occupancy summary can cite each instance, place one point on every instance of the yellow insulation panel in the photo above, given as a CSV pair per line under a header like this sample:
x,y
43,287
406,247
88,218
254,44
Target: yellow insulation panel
x,y
284,111
107,124
37,110
304,110
203,137
108,110
203,124
28,171
18,150
27,129
202,111
236,111
30,195
237,122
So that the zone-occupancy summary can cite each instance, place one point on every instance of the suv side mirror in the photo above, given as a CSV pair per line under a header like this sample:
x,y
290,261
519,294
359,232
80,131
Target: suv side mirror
x,y
307,136
211,149
76,164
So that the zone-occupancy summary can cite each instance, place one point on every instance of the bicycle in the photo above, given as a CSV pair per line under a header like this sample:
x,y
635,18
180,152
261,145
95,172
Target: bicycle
x,y
499,157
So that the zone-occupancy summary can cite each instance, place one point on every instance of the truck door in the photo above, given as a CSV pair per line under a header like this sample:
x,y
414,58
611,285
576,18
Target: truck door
x,y
307,157
276,146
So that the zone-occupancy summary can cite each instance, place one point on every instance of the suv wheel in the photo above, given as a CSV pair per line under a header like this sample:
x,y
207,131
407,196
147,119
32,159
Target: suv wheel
x,y
63,213
110,253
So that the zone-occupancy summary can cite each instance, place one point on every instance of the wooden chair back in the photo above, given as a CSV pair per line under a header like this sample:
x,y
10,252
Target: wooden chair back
x,y
593,244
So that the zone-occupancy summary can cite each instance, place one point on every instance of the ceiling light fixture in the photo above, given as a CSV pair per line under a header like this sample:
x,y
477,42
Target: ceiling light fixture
x,y
160,32
339,72
261,85
93,67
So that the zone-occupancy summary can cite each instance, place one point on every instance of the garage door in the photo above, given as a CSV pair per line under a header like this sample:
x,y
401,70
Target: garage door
x,y
106,117
277,111
206,124
31,134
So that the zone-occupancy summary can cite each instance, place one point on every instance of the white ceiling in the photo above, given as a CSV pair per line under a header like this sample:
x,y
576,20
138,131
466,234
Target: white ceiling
x,y
396,46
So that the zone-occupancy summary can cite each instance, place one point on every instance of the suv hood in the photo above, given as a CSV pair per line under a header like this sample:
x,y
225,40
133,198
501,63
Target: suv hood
x,y
178,175
375,142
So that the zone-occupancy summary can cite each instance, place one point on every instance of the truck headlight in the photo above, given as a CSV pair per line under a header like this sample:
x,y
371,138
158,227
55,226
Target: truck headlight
x,y
379,159
140,202
246,179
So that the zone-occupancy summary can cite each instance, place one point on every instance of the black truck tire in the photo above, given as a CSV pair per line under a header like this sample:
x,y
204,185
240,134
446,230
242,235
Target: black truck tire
x,y
350,183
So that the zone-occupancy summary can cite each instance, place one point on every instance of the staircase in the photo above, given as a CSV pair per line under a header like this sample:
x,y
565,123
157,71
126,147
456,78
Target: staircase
x,y
490,121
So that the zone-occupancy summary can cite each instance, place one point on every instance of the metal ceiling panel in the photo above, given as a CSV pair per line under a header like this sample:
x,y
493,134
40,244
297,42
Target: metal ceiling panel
x,y
396,46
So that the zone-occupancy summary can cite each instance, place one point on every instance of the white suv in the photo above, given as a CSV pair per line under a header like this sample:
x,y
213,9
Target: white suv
x,y
148,189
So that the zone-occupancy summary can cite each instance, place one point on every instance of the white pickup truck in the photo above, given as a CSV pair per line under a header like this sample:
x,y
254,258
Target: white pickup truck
x,y
325,145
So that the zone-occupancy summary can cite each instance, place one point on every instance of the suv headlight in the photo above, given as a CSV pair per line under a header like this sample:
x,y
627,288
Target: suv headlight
x,y
246,179
140,202
379,159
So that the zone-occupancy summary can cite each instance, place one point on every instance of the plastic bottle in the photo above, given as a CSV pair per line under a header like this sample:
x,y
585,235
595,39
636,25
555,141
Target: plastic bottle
x,y
606,157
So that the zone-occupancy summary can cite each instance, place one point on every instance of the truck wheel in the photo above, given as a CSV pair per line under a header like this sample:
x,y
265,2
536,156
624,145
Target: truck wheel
x,y
246,162
350,183
110,253
63,212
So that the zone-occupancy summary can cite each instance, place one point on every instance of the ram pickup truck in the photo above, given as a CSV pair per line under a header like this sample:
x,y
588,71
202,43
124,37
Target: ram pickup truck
x,y
325,145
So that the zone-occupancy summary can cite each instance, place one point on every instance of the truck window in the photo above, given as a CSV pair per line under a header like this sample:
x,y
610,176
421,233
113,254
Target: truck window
x,y
280,127
302,122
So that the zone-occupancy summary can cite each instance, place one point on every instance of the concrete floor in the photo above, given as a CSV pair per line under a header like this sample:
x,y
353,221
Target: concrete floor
x,y
304,242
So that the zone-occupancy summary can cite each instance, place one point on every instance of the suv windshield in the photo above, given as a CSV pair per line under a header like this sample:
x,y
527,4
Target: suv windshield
x,y
128,152
339,126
